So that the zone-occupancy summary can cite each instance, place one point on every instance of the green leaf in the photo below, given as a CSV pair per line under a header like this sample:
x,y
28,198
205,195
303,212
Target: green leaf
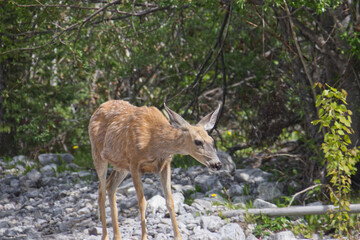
x,y
343,148
345,121
347,139
340,132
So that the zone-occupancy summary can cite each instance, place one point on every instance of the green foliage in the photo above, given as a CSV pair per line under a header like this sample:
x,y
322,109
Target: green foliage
x,y
183,161
265,224
313,224
188,198
340,159
82,156
353,40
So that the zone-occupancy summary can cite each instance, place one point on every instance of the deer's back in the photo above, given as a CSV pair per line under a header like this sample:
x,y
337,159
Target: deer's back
x,y
120,131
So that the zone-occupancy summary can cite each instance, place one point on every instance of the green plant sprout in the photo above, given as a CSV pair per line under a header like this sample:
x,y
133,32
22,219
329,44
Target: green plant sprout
x,y
335,119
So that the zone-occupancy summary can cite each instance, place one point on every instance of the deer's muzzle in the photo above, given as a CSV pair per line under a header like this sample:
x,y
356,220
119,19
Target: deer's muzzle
x,y
216,165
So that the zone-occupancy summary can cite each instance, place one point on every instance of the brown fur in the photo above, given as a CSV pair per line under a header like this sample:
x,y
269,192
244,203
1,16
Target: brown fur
x,y
141,140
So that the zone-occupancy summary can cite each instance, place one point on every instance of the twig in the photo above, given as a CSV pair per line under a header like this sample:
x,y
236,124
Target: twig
x,y
302,191
220,40
308,76
76,25
91,16
72,27
237,147
54,6
224,86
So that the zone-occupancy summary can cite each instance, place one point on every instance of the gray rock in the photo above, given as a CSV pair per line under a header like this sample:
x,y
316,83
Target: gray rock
x,y
32,193
201,205
206,182
188,218
4,224
21,158
211,223
178,202
161,236
285,235
268,191
195,171
156,204
72,166
20,168
84,173
34,175
251,237
251,175
130,202
183,188
48,158
15,183
49,168
67,157
228,164
84,210
259,203
14,231
95,231
203,234
63,227
232,231
236,190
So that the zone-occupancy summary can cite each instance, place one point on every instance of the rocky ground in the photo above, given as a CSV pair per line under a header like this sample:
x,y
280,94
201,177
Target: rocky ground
x,y
54,202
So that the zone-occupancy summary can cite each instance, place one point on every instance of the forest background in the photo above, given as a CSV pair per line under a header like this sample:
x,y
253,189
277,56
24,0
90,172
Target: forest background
x,y
60,60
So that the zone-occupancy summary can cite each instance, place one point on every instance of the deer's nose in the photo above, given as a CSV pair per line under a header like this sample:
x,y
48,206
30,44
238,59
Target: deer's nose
x,y
216,165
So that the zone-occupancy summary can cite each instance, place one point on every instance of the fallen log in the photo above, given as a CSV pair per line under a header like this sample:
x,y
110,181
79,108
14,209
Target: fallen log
x,y
289,211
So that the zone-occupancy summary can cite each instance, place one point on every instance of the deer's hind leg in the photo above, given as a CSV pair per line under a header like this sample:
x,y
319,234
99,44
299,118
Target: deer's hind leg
x,y
114,180
101,170
136,177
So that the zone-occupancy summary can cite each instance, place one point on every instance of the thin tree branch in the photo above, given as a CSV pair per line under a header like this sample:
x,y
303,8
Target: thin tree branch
x,y
311,82
220,40
302,191
72,27
77,27
92,16
224,88
54,6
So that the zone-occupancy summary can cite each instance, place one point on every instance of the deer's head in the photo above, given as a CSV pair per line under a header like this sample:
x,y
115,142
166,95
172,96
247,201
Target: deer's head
x,y
198,143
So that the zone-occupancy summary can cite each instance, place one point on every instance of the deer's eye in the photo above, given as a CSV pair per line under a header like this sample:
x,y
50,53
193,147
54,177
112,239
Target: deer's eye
x,y
198,143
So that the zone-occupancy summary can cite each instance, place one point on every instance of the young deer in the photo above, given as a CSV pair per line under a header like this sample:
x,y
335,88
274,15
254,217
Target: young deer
x,y
141,140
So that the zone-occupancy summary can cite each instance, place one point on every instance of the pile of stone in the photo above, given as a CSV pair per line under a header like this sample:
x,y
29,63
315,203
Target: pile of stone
x,y
38,201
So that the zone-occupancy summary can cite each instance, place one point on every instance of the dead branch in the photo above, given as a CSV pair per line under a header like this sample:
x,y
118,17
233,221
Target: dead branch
x,y
289,211
302,191
237,147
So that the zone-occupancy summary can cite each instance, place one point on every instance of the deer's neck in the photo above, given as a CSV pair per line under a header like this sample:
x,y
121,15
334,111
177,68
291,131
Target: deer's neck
x,y
172,140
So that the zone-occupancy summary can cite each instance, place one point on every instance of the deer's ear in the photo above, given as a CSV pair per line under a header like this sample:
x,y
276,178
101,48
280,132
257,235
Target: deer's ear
x,y
208,122
175,119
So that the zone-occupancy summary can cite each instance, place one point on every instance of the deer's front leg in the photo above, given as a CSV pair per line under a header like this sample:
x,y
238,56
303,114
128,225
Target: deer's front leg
x,y
165,176
136,177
